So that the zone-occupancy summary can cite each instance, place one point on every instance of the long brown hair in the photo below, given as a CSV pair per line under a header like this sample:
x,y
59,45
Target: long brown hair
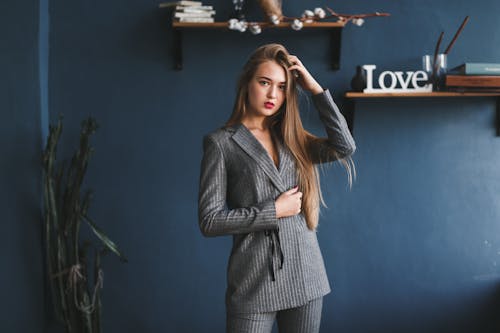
x,y
287,125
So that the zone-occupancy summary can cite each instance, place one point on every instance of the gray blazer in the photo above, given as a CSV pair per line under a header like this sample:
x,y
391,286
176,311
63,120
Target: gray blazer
x,y
275,263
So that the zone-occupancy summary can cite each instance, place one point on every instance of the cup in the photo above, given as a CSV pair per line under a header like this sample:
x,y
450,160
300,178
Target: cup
x,y
436,73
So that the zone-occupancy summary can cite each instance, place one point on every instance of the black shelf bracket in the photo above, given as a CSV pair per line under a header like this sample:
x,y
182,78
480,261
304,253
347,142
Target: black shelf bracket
x,y
497,120
335,46
177,39
348,112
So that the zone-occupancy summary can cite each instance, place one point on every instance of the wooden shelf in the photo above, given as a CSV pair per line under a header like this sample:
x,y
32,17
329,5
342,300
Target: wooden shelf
x,y
335,29
438,94
266,25
419,95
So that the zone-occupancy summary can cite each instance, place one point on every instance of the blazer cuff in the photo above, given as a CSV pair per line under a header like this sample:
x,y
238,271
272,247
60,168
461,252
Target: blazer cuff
x,y
268,213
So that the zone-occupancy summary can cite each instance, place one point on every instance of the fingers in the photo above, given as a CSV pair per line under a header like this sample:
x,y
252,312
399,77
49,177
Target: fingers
x,y
296,64
300,72
294,60
304,78
298,203
294,192
297,68
295,199
289,203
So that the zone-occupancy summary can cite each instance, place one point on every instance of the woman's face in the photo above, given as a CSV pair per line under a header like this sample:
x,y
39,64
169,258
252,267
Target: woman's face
x,y
266,90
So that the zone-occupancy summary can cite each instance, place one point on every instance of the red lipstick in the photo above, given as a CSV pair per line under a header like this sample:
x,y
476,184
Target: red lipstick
x,y
269,105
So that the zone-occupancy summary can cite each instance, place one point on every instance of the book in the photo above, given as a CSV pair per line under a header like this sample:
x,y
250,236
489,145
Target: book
x,y
180,3
196,19
193,8
484,90
478,68
196,11
473,80
182,15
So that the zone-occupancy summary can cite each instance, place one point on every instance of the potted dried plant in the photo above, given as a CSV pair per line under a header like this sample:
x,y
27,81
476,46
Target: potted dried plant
x,y
73,265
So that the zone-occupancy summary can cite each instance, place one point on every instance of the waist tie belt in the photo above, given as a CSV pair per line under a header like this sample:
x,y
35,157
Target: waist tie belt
x,y
275,245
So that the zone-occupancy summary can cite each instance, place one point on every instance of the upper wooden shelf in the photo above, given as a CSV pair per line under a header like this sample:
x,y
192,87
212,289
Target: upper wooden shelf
x,y
267,25
334,28
426,94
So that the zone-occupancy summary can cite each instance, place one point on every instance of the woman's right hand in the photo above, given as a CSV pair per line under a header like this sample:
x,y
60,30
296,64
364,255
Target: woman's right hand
x,y
289,203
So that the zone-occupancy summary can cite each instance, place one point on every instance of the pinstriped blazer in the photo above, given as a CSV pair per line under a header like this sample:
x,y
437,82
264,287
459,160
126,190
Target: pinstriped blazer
x,y
275,263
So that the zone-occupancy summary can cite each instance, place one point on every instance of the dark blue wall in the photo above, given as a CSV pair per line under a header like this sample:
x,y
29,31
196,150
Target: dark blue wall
x,y
21,278
413,247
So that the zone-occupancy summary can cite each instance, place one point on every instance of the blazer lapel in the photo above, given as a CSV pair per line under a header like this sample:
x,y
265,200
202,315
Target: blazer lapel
x,y
246,140
286,159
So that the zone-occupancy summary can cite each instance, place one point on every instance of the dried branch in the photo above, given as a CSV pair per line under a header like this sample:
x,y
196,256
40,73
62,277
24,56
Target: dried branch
x,y
349,17
297,23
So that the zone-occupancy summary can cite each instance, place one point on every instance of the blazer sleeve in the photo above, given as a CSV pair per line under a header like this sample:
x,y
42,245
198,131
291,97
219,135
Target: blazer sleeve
x,y
214,217
339,143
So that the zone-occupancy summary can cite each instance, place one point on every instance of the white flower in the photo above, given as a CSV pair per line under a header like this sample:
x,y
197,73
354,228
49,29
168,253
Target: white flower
x,y
233,24
255,29
242,26
308,15
297,24
358,21
274,19
319,12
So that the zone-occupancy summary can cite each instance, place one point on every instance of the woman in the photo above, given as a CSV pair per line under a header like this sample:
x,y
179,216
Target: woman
x,y
259,183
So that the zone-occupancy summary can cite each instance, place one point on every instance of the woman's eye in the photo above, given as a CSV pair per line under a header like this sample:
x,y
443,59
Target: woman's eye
x,y
282,87
264,83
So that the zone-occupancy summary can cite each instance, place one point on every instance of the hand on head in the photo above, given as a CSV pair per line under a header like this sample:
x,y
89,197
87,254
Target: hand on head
x,y
304,78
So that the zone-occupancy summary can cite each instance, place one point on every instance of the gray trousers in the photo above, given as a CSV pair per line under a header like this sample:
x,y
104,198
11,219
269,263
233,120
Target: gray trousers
x,y
303,319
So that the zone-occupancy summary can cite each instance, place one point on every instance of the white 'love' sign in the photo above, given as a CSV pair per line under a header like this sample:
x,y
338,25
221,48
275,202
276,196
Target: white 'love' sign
x,y
389,81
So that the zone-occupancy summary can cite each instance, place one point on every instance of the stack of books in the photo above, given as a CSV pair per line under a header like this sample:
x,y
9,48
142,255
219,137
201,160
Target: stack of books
x,y
474,77
191,11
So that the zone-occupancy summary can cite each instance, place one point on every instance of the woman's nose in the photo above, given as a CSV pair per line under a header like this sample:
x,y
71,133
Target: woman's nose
x,y
271,92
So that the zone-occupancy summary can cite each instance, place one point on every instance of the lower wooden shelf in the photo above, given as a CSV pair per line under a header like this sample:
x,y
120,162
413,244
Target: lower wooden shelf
x,y
437,94
419,95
